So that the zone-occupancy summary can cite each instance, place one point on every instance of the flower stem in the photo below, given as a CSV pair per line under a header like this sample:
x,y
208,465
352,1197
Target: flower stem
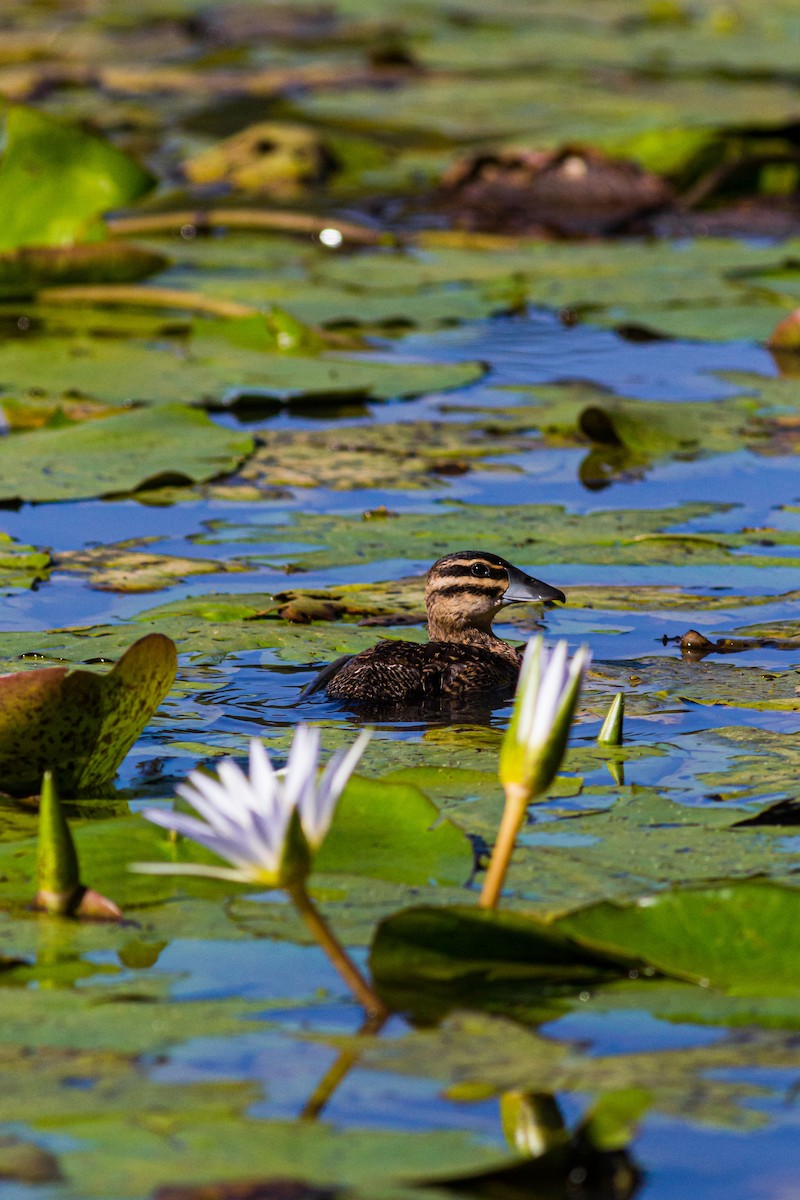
x,y
517,799
336,952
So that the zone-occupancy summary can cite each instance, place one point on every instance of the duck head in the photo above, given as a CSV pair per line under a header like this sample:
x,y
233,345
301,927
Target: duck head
x,y
466,590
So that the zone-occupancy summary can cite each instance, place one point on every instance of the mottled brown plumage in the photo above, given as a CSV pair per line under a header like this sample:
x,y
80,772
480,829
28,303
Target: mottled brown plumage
x,y
463,658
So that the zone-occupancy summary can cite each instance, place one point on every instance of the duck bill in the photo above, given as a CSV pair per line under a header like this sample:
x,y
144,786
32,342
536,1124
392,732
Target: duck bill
x,y
522,587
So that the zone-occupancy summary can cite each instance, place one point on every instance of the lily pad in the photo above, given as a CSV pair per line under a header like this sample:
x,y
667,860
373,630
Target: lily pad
x,y
94,458
401,455
479,108
474,946
21,566
240,1149
646,429
736,936
392,831
212,371
85,177
762,762
631,537
124,567
708,683
23,272
700,289
80,724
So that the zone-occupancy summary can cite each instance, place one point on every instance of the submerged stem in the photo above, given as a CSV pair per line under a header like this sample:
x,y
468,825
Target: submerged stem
x,y
339,1069
243,218
517,799
335,951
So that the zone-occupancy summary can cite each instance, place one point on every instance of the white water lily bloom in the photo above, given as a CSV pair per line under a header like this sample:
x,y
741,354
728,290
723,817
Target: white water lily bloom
x,y
544,706
266,824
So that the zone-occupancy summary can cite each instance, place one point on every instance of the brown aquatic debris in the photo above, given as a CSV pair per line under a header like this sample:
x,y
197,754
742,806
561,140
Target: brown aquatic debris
x,y
573,190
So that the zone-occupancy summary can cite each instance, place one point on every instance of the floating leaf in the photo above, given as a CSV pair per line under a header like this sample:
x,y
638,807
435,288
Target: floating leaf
x,y
94,458
214,372
21,566
392,831
84,178
404,456
472,946
126,568
739,936
628,537
23,272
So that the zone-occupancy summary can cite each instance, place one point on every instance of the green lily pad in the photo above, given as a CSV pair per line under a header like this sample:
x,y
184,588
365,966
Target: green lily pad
x,y
94,458
21,566
702,289
473,946
631,537
735,936
123,1024
485,108
241,1150
762,761
80,724
646,429
750,320
681,1002
392,831
85,177
643,842
707,682
214,371
381,831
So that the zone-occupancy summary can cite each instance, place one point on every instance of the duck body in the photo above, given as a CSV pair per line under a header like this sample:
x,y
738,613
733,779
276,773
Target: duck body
x,y
463,660
401,672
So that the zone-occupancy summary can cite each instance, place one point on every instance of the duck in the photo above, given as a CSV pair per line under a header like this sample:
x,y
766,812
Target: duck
x,y
463,658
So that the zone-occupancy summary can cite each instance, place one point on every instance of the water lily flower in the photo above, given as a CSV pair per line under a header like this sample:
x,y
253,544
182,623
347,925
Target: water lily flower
x,y
534,743
267,824
544,705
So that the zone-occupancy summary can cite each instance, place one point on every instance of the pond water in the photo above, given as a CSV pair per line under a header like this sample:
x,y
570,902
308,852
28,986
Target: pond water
x,y
718,1128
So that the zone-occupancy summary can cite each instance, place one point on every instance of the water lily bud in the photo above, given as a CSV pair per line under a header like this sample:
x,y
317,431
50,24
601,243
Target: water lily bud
x,y
532,1123
544,706
534,744
60,891
611,732
57,872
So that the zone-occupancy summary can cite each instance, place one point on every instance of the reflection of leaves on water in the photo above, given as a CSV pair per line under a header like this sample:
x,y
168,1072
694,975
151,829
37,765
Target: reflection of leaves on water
x,y
488,1053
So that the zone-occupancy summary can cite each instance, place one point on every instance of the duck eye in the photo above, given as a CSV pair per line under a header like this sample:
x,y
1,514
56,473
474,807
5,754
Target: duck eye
x,y
481,570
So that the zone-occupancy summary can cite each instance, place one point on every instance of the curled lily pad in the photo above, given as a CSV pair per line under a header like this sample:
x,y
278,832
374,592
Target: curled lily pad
x,y
24,271
77,723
